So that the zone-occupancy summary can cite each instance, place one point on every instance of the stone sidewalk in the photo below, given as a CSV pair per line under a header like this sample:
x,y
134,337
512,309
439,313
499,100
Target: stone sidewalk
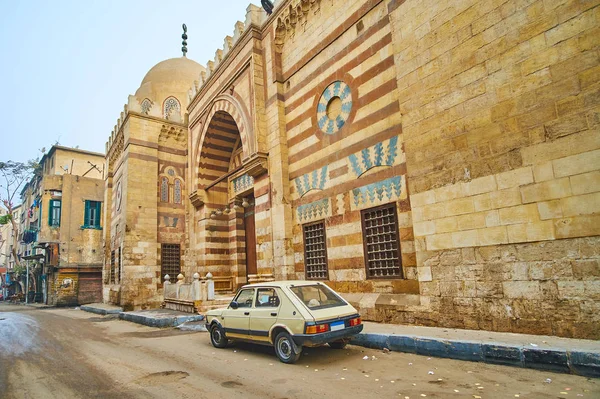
x,y
564,355
152,318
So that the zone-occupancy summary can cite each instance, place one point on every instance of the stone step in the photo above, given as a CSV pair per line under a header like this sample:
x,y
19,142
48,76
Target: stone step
x,y
220,301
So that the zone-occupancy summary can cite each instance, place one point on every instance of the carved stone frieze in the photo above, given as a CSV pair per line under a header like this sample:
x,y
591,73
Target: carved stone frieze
x,y
295,15
170,135
256,164
116,150
198,198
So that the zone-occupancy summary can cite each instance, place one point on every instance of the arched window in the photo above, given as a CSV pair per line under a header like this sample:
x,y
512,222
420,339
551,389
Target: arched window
x,y
171,106
177,194
146,105
164,190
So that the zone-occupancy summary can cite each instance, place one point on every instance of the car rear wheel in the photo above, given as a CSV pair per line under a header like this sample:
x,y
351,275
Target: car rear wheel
x,y
285,348
217,336
337,344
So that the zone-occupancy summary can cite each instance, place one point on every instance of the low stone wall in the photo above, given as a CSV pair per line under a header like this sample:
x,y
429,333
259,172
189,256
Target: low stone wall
x,y
187,297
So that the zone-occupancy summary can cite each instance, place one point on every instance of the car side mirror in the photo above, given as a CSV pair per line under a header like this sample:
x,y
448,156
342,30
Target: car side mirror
x,y
233,305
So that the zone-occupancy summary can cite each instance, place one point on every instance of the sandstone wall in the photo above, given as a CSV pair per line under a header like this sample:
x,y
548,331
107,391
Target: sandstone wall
x,y
500,107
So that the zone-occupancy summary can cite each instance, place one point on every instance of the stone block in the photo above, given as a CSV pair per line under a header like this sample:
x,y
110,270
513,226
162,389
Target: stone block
x,y
505,198
586,269
446,225
546,360
424,228
566,125
492,218
373,341
467,238
571,289
521,289
585,363
424,274
471,221
493,235
566,146
458,207
404,344
550,210
519,214
543,172
585,204
488,290
497,354
578,226
431,347
576,164
515,178
481,185
585,183
423,198
439,241
553,189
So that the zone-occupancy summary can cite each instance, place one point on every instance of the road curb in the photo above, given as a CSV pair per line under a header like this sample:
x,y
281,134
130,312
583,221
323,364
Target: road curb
x,y
577,362
100,311
160,322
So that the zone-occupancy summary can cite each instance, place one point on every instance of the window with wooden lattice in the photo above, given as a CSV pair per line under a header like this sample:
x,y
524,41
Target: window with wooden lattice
x,y
170,260
315,251
381,242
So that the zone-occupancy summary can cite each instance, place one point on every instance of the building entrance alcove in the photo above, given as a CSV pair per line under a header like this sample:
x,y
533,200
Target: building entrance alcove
x,y
226,235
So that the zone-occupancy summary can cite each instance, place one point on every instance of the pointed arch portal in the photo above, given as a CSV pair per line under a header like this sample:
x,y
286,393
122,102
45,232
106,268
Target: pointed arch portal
x,y
228,228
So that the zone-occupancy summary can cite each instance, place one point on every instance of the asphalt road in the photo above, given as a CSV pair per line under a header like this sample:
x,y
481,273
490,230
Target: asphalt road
x,y
68,353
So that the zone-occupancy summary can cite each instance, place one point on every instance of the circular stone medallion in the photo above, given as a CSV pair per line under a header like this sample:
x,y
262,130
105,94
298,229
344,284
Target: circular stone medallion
x,y
334,107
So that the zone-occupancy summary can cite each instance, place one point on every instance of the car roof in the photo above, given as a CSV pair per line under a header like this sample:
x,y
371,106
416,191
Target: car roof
x,y
280,284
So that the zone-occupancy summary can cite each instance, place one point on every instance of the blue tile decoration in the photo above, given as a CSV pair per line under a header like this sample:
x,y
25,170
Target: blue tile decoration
x,y
384,153
242,183
342,91
377,193
314,210
314,180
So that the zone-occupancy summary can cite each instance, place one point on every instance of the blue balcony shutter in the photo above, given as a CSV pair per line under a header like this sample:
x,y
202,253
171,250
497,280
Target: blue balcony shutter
x,y
86,217
98,210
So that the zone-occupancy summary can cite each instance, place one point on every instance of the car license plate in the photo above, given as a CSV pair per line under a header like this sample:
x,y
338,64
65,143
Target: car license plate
x,y
338,325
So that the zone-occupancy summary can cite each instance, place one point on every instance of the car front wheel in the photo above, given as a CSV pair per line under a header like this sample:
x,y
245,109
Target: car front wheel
x,y
217,336
337,344
285,348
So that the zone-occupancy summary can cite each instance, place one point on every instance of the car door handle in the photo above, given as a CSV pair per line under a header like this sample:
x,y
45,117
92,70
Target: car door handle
x,y
273,314
247,313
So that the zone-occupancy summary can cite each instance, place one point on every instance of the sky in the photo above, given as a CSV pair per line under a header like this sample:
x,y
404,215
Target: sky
x,y
67,67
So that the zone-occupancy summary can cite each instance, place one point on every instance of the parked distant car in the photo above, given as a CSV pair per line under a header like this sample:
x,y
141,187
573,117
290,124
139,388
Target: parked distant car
x,y
286,314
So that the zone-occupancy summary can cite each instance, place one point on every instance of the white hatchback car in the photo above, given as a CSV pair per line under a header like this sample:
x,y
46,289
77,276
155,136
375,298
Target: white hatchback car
x,y
287,315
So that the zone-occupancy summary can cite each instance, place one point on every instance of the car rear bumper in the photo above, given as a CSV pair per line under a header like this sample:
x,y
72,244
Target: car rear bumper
x,y
323,338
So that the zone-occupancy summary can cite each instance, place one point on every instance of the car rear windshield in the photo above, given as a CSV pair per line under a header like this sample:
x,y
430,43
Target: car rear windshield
x,y
317,296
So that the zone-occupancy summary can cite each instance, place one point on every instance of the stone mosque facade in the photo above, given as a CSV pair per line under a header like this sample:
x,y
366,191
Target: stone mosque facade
x,y
435,162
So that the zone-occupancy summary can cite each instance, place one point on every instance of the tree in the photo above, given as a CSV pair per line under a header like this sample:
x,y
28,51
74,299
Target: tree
x,y
13,175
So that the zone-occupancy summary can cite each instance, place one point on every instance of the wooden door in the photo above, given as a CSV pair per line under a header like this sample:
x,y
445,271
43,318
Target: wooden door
x,y
250,229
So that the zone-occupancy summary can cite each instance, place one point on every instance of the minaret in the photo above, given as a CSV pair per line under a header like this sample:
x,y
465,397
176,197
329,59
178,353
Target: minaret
x,y
184,42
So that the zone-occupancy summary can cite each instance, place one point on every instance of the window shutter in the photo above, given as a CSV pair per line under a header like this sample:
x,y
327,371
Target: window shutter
x,y
86,216
98,215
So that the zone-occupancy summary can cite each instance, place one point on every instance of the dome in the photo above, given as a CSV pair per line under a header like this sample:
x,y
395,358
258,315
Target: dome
x,y
170,78
173,70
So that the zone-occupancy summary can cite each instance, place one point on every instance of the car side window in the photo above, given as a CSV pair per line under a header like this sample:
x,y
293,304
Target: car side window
x,y
267,298
244,298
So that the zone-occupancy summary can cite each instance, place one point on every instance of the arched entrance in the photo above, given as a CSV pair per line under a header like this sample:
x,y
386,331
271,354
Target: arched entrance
x,y
226,225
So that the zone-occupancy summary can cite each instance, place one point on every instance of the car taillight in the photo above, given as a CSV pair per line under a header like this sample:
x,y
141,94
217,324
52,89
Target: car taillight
x,y
318,328
355,322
